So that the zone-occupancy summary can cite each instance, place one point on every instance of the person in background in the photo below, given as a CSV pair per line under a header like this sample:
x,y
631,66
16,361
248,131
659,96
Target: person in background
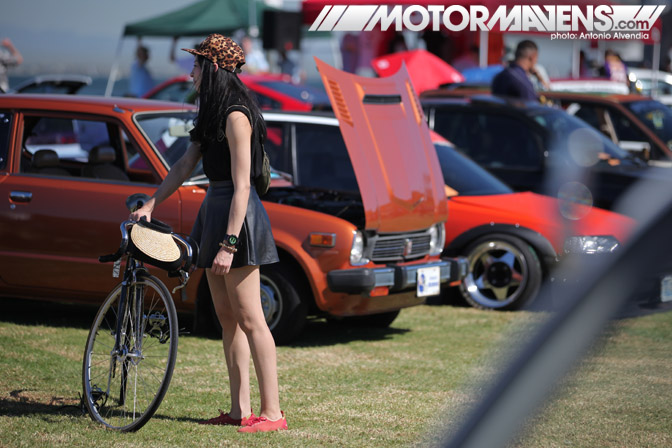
x,y
287,64
9,57
614,67
141,80
255,61
350,52
514,80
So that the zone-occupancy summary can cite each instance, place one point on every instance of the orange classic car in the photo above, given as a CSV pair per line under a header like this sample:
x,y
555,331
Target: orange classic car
x,y
356,205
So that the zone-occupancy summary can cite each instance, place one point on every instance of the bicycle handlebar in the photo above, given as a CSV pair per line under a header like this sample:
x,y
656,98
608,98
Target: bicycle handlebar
x,y
189,249
122,248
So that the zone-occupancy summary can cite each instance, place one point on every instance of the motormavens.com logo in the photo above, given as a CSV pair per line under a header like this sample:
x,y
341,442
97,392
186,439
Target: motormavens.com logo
x,y
560,21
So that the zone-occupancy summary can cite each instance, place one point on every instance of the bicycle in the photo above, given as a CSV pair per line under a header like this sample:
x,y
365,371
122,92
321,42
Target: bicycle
x,y
131,348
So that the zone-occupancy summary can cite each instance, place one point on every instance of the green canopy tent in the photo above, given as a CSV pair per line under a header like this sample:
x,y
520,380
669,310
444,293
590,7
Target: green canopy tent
x,y
202,18
198,19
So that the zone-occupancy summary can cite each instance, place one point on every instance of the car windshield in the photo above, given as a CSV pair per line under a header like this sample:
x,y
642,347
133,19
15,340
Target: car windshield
x,y
466,177
656,116
168,133
569,134
300,92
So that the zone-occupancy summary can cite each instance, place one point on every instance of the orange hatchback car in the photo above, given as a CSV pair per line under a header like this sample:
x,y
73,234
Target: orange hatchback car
x,y
357,213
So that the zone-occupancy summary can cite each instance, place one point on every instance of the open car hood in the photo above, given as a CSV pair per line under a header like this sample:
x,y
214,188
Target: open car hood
x,y
390,147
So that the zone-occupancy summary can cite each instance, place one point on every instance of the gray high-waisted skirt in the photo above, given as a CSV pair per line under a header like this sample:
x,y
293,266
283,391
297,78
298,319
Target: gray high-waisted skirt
x,y
256,245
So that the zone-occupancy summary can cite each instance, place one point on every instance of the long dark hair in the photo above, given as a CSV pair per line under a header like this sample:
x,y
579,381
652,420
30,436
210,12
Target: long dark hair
x,y
220,89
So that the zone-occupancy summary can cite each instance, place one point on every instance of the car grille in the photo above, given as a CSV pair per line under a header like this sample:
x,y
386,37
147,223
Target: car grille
x,y
400,247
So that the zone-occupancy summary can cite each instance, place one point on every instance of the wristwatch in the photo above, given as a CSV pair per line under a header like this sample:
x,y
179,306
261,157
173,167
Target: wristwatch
x,y
231,240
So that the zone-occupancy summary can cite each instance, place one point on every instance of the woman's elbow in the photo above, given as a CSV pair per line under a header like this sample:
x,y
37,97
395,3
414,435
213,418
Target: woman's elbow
x,y
242,186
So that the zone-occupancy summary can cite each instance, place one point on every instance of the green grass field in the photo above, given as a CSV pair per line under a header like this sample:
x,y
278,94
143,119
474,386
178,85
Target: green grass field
x,y
345,387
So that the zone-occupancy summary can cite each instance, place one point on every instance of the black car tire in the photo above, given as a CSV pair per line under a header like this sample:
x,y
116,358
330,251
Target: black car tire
x,y
504,273
284,310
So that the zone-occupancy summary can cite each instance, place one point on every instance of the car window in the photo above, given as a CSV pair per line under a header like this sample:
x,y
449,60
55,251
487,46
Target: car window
x,y
564,129
591,115
492,140
322,159
72,139
466,177
656,116
276,147
625,129
5,123
67,146
168,134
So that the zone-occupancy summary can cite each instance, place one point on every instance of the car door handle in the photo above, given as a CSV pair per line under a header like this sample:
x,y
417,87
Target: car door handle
x,y
21,196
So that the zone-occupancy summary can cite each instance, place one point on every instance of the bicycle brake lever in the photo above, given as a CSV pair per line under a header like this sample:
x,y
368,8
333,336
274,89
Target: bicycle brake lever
x,y
184,278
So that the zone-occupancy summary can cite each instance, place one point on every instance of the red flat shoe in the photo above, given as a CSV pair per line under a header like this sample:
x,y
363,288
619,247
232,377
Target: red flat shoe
x,y
262,424
225,419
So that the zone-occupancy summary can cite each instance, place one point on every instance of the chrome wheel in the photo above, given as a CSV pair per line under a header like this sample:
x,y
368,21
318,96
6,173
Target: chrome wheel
x,y
504,273
271,301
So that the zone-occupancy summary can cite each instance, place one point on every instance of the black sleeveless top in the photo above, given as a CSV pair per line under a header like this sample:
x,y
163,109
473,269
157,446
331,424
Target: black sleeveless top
x,y
217,154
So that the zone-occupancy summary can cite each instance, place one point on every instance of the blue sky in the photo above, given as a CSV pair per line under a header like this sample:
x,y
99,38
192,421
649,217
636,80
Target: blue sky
x,y
81,36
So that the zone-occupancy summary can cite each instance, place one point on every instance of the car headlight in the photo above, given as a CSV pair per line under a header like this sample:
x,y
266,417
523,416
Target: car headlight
x,y
591,244
437,239
357,251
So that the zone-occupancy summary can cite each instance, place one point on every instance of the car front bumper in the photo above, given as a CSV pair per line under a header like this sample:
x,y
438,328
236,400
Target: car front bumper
x,y
396,278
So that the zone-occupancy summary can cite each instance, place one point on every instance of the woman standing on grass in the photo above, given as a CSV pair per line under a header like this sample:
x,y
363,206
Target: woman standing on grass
x,y
232,228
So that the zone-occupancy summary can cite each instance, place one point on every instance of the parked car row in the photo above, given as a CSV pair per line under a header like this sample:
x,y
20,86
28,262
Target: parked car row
x,y
358,202
355,228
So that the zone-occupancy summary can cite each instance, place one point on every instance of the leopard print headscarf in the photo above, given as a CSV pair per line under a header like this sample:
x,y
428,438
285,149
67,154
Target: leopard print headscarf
x,y
221,51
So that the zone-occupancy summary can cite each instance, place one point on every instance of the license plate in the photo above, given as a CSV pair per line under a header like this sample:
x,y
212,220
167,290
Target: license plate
x,y
428,282
666,289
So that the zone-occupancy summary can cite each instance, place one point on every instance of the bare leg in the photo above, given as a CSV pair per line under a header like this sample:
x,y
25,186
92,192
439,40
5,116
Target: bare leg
x,y
236,347
242,285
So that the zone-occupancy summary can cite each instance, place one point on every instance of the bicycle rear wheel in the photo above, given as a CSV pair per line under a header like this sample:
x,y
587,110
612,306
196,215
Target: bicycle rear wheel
x,y
123,387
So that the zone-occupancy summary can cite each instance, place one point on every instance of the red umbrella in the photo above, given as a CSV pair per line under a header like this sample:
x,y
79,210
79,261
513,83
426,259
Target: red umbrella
x,y
427,71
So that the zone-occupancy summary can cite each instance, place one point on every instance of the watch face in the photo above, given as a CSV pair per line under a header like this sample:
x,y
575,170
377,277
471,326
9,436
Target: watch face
x,y
233,240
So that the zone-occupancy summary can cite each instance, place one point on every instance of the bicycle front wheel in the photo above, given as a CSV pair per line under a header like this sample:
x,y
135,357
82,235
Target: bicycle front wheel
x,y
130,354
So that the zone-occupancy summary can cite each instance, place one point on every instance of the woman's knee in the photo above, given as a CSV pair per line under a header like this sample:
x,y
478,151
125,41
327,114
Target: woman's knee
x,y
250,323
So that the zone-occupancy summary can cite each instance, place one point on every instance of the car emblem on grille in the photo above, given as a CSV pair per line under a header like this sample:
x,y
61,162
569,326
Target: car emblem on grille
x,y
408,247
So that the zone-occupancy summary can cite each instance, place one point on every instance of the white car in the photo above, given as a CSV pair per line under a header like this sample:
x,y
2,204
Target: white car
x,y
590,85
644,81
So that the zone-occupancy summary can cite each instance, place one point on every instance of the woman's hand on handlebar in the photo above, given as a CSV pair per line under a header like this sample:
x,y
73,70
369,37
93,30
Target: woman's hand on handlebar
x,y
143,212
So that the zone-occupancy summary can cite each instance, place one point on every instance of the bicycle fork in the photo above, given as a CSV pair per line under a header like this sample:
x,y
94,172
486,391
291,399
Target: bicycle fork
x,y
128,337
